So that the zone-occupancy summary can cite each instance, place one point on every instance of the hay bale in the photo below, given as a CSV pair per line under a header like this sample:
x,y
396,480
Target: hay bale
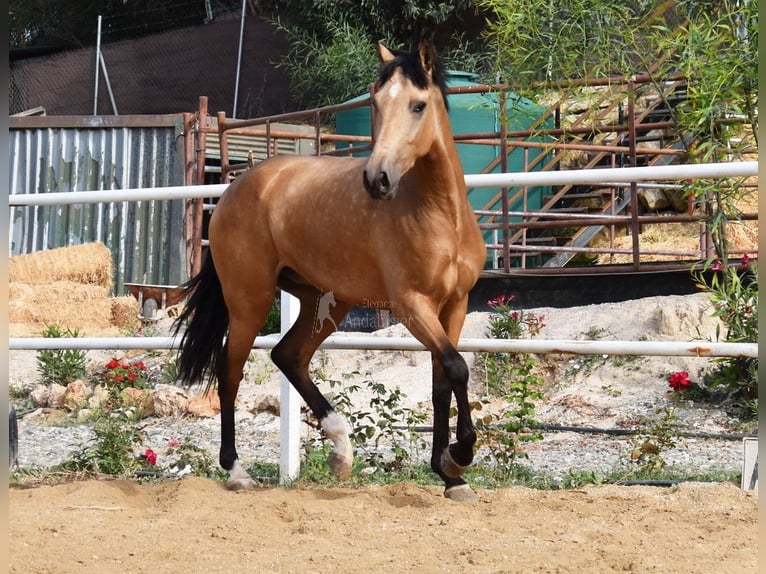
x,y
89,263
125,313
69,305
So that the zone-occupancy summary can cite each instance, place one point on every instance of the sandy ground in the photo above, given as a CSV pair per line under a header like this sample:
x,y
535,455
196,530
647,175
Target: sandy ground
x,y
195,525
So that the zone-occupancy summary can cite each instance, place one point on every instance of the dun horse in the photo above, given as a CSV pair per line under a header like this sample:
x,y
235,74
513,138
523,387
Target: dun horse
x,y
392,231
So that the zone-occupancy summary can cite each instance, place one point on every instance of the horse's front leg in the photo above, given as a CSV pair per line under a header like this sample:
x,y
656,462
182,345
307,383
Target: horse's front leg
x,y
440,334
450,461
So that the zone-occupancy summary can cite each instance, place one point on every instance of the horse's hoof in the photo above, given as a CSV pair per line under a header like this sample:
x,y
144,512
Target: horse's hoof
x,y
461,493
450,467
339,464
236,484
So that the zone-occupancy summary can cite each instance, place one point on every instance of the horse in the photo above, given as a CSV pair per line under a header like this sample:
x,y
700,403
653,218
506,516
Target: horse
x,y
391,231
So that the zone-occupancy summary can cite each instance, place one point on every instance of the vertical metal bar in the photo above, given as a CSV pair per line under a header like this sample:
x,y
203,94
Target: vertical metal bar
x,y
318,135
98,54
504,191
239,58
634,225
197,203
108,84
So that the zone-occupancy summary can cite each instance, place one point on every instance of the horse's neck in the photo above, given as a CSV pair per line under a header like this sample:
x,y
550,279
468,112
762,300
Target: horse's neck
x,y
440,179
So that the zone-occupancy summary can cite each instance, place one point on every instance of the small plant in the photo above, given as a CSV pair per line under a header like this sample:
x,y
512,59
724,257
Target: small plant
x,y
112,452
734,294
119,375
504,435
660,434
184,457
509,323
61,366
514,378
505,322
384,432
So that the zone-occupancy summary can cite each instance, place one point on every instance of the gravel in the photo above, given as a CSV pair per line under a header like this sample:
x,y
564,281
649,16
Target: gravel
x,y
601,392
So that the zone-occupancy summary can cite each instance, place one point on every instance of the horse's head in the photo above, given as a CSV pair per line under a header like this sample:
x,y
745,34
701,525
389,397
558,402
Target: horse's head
x,y
406,99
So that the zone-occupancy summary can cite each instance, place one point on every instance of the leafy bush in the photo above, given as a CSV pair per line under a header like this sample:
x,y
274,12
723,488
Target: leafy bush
x,y
384,433
734,294
60,366
112,450
515,379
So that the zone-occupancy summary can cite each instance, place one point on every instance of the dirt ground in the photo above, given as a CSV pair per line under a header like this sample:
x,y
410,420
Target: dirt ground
x,y
195,525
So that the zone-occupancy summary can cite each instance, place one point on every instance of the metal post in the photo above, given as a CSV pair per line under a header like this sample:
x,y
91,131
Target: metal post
x,y
239,58
289,403
197,203
108,84
98,54
635,228
504,191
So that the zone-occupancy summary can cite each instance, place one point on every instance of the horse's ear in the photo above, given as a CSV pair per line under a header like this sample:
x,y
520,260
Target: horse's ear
x,y
427,55
384,54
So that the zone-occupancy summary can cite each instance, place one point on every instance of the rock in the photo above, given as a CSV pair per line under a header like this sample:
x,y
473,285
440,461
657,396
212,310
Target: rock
x,y
265,404
83,415
40,395
169,401
76,395
100,394
56,396
678,199
653,199
140,399
204,405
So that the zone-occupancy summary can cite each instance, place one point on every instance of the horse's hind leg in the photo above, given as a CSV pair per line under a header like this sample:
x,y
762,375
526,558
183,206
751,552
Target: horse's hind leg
x,y
243,328
293,355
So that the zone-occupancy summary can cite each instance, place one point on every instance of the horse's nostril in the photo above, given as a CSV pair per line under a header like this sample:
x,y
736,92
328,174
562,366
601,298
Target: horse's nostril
x,y
381,182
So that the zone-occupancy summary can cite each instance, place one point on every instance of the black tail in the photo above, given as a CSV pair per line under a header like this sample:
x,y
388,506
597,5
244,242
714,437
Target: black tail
x,y
207,320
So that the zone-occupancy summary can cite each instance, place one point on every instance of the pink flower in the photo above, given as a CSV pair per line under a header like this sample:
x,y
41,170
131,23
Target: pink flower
x,y
173,442
150,456
501,300
679,381
716,266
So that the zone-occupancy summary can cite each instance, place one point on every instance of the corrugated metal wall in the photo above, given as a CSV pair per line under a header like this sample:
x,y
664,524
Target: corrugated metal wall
x,y
56,153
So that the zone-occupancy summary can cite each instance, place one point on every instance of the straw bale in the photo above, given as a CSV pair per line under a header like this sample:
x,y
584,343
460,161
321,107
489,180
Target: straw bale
x,y
125,312
69,305
89,263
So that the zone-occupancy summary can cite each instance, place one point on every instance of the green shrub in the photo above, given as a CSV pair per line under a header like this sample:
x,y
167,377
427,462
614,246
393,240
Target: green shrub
x,y
60,366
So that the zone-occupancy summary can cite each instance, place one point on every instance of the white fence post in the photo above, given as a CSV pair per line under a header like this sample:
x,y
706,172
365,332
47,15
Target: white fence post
x,y
289,404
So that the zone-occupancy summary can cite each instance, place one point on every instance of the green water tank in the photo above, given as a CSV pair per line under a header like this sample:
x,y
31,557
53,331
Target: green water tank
x,y
477,113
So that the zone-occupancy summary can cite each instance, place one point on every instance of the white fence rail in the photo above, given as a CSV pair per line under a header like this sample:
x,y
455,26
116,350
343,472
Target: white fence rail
x,y
584,176
373,343
290,419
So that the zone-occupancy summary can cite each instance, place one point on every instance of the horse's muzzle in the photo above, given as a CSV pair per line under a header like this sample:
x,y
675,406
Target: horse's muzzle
x,y
379,185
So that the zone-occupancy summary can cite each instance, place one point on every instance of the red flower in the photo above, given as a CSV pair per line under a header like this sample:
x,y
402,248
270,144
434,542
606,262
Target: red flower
x,y
150,456
679,381
716,266
745,261
113,364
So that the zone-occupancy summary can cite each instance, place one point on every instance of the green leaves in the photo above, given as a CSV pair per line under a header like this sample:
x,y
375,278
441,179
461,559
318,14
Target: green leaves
x,y
60,366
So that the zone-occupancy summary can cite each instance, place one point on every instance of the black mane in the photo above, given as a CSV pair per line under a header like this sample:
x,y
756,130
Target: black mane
x,y
411,67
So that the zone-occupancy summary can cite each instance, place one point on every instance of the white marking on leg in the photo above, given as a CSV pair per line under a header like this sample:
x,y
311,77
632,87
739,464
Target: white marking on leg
x,y
336,429
239,479
342,454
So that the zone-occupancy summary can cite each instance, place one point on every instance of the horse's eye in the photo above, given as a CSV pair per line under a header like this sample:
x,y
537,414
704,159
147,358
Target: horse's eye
x,y
419,107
